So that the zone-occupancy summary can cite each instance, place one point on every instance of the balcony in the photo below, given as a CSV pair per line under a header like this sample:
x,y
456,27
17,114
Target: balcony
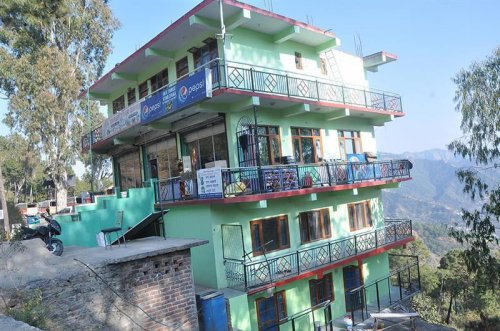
x,y
286,180
272,83
247,275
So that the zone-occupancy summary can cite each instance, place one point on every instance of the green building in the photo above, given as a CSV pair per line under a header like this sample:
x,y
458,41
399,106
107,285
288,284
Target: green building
x,y
257,133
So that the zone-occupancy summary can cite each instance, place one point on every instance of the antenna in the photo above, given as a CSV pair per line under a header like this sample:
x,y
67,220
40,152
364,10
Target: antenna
x,y
358,45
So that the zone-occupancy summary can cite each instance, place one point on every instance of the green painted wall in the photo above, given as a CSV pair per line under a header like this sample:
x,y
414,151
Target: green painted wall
x,y
376,267
94,217
329,135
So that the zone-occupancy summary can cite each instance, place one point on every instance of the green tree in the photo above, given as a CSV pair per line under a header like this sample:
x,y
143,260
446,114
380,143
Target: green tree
x,y
20,163
50,51
477,98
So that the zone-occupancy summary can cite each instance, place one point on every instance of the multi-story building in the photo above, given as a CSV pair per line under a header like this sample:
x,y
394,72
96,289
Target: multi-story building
x,y
259,137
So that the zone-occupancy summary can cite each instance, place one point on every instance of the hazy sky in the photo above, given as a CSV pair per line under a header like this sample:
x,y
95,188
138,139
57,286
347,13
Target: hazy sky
x,y
433,40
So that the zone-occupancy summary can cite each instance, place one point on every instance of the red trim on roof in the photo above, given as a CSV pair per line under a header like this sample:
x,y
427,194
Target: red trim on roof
x,y
317,103
325,269
392,56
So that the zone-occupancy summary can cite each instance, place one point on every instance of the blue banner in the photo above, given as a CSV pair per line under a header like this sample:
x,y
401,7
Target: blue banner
x,y
182,94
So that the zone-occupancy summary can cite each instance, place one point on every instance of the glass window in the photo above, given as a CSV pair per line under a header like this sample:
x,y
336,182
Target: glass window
x,y
360,215
206,145
269,234
129,169
181,67
269,145
321,290
131,96
159,80
298,60
270,311
143,90
118,104
164,153
349,143
307,145
314,225
206,53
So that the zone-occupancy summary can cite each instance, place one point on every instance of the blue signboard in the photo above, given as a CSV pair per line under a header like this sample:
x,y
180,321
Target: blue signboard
x,y
178,96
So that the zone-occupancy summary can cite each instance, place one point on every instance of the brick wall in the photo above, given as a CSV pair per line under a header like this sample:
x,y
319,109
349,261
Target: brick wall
x,y
161,285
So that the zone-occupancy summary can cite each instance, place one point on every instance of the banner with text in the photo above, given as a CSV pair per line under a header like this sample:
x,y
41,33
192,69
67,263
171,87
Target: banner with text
x,y
173,98
209,183
127,118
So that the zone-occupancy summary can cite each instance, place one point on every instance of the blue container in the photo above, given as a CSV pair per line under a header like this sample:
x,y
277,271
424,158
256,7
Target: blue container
x,y
212,311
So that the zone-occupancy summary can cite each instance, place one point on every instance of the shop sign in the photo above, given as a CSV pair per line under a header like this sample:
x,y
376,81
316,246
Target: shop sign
x,y
178,96
209,183
127,118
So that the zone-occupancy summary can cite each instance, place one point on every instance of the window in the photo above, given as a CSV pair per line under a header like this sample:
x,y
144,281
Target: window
x,y
159,80
269,144
118,104
307,146
269,235
349,142
205,145
206,53
129,169
321,290
131,96
298,60
323,67
314,225
182,67
360,215
270,311
143,90
164,155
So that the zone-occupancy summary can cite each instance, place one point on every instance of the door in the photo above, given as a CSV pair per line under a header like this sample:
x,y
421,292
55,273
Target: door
x,y
153,168
352,280
267,314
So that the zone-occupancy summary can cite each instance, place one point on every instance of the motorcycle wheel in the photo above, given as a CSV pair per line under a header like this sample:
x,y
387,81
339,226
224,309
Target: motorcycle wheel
x,y
56,247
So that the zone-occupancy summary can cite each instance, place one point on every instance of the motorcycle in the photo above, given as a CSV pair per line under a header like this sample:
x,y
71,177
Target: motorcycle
x,y
46,233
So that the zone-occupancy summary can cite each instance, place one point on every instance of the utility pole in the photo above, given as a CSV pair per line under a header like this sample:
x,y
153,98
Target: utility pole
x,y
6,223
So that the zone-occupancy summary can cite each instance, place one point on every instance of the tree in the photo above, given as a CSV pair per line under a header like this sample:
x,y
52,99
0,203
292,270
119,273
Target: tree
x,y
20,162
477,98
3,200
50,51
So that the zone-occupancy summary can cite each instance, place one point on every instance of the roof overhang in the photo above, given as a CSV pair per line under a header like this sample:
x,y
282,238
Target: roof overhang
x,y
373,61
204,20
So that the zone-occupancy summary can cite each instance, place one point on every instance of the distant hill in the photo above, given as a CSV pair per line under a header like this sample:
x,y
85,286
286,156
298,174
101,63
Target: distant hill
x,y
434,195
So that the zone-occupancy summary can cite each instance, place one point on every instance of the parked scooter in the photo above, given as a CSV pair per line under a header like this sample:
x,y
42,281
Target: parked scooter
x,y
46,233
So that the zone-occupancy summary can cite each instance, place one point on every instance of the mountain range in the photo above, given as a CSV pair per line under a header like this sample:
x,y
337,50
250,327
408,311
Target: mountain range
x,y
434,195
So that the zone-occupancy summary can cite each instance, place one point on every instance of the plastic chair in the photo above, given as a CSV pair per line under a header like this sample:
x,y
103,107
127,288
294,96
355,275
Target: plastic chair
x,y
116,229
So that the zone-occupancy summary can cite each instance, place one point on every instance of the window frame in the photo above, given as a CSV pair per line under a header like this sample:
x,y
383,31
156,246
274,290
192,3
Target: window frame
x,y
355,140
118,104
367,218
327,288
315,139
182,67
131,98
304,220
323,67
205,54
279,310
278,220
269,138
143,89
299,64
159,80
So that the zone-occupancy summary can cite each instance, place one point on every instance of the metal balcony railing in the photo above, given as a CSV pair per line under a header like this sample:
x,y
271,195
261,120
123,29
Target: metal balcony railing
x,y
254,180
245,275
385,291
284,83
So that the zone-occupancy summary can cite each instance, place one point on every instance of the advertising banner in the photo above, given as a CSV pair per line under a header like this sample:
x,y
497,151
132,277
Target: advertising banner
x,y
175,97
127,118
209,183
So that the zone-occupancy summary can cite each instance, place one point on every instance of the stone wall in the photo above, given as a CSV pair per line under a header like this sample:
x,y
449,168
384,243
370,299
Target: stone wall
x,y
149,293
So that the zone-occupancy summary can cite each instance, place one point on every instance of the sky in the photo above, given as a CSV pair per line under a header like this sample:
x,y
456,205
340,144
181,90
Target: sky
x,y
433,40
